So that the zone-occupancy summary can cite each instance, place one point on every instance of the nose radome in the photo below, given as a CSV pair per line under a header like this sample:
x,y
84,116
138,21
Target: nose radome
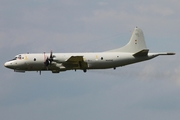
x,y
7,64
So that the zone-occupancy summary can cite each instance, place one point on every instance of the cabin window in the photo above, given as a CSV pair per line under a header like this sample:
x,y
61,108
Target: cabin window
x,y
34,59
101,58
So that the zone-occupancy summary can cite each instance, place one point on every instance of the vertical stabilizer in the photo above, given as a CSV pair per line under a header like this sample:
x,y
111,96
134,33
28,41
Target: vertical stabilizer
x,y
136,43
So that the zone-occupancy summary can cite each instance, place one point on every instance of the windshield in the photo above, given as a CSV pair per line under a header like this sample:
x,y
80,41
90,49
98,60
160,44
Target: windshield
x,y
13,59
18,57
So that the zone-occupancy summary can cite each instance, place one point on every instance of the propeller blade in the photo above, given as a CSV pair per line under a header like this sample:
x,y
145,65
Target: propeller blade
x,y
51,54
48,61
51,57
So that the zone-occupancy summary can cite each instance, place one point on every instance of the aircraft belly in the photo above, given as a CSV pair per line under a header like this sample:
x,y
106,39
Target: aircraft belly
x,y
101,65
116,63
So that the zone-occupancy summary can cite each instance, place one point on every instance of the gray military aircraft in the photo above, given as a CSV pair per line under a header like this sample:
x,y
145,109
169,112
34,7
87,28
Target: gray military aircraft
x,y
133,52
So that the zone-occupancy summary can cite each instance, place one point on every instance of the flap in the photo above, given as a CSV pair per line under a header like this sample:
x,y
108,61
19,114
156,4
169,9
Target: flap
x,y
141,53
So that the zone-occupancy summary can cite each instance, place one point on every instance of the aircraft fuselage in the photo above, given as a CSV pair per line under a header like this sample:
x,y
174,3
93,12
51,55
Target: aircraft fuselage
x,y
100,60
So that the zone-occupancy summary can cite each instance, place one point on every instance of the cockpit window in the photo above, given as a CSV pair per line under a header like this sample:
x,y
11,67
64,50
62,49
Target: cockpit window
x,y
14,59
19,57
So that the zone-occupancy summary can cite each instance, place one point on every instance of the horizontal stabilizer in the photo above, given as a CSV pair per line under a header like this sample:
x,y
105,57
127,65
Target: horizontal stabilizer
x,y
141,53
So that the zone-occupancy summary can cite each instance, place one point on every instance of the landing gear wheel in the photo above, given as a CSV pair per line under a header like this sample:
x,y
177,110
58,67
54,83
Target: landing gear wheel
x,y
85,70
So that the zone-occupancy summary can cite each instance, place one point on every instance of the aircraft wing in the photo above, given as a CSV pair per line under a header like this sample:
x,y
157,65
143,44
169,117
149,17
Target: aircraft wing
x,y
76,62
75,59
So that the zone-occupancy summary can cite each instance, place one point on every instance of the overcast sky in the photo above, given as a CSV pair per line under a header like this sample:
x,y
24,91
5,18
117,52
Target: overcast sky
x,y
149,90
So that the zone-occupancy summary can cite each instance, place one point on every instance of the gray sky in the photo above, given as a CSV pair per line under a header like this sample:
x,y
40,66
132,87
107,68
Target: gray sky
x,y
148,90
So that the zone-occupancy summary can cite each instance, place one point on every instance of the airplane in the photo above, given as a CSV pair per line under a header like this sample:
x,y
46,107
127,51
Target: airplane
x,y
134,51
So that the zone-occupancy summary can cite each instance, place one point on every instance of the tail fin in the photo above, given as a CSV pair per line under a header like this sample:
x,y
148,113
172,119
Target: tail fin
x,y
136,43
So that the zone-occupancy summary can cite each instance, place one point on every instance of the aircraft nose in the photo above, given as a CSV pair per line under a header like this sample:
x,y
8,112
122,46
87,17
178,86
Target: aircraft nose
x,y
7,64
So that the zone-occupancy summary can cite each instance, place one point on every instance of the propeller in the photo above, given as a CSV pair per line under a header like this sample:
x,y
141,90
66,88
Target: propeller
x,y
51,57
48,61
